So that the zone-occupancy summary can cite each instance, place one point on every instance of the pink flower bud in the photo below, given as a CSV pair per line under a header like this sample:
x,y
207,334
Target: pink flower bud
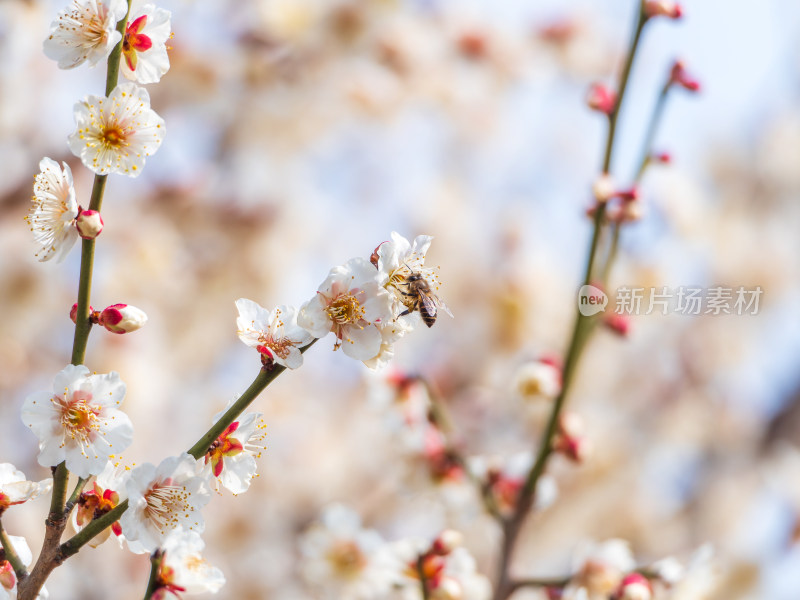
x,y
570,440
663,8
7,578
664,158
619,324
601,99
448,540
122,318
73,312
634,587
628,195
679,76
89,224
473,45
603,188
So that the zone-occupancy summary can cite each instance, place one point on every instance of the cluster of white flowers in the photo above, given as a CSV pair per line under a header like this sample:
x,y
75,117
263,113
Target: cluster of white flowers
x,y
114,134
342,560
80,423
367,304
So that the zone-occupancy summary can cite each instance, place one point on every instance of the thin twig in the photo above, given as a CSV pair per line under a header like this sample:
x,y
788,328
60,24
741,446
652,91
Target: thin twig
x,y
73,498
578,337
422,580
156,558
11,555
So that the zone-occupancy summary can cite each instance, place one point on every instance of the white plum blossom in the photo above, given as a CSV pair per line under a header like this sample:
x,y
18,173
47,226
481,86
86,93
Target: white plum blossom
x,y
144,45
231,459
599,569
116,134
537,380
352,305
105,493
85,31
505,478
53,210
8,579
397,260
15,489
162,499
342,560
450,573
274,333
79,422
183,569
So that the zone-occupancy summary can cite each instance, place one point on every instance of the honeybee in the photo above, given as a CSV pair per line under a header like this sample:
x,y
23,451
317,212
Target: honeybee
x,y
421,298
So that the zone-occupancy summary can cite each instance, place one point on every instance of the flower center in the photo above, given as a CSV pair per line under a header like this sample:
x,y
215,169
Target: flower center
x,y
223,446
345,309
347,558
165,503
78,417
280,346
113,137
91,25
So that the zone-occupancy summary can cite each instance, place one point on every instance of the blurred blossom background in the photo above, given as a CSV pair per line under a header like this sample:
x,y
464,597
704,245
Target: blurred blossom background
x,y
300,133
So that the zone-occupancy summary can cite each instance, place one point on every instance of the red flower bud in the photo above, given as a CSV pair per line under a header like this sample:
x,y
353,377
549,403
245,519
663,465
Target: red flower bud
x,y
619,324
73,312
601,99
122,318
663,8
679,76
89,224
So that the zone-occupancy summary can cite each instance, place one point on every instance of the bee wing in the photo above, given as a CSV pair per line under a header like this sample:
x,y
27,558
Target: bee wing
x,y
429,303
443,306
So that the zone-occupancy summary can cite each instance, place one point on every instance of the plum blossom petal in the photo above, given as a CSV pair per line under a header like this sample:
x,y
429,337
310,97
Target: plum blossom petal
x,y
274,332
116,134
161,499
231,459
53,210
351,304
80,422
85,31
15,489
343,560
144,45
183,568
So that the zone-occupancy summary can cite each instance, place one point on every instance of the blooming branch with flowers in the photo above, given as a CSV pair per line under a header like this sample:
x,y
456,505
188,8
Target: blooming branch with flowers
x,y
367,303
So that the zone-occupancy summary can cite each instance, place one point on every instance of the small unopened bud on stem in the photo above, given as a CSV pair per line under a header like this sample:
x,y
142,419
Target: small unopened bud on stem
x,y
680,76
122,318
601,99
89,224
662,8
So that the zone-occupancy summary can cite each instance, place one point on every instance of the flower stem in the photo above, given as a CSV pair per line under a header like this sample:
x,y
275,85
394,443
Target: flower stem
x,y
262,380
56,520
512,526
422,580
644,162
545,582
11,555
73,498
641,19
156,558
